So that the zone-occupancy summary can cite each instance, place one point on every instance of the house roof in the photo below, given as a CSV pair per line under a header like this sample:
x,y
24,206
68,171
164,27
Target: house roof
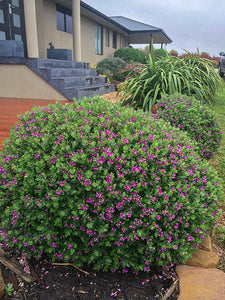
x,y
133,25
143,31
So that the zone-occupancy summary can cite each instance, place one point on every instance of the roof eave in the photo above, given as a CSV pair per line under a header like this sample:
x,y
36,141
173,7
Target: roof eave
x,y
152,32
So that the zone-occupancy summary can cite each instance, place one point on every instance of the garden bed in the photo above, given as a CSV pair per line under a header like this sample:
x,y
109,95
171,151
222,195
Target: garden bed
x,y
66,282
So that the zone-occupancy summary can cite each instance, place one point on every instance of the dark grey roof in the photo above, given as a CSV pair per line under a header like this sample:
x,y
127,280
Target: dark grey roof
x,y
133,25
136,27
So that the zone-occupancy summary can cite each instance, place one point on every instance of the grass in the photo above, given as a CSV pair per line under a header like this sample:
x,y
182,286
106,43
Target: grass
x,y
218,162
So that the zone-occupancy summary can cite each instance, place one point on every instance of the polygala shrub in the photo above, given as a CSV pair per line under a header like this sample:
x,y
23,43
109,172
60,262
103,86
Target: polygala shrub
x,y
96,183
197,120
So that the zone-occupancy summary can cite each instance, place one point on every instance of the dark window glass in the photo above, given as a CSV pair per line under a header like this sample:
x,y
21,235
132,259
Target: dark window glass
x,y
69,25
2,19
60,20
16,3
98,39
16,20
114,39
107,37
2,35
18,37
64,19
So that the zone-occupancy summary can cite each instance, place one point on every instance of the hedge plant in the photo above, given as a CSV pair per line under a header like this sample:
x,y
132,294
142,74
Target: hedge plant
x,y
197,120
159,53
131,55
111,67
98,184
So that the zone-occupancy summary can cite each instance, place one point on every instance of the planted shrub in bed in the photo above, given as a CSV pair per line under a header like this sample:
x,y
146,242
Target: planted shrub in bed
x,y
197,120
111,67
131,55
96,183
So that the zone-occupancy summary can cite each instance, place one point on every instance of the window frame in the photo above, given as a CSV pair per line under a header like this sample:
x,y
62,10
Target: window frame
x,y
98,34
66,12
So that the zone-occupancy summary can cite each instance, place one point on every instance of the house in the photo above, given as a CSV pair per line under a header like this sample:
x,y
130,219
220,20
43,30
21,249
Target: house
x,y
27,27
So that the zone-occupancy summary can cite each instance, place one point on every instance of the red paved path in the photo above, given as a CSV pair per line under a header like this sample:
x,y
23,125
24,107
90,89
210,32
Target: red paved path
x,y
10,108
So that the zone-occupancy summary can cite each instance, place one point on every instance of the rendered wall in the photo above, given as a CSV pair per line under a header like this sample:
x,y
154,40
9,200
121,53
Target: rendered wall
x,y
47,32
18,81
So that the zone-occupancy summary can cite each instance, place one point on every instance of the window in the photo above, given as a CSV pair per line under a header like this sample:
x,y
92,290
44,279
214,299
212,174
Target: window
x,y
98,39
107,37
64,19
114,39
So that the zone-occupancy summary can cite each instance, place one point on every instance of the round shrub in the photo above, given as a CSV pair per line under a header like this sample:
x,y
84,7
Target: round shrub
x,y
197,120
111,67
96,183
131,55
159,53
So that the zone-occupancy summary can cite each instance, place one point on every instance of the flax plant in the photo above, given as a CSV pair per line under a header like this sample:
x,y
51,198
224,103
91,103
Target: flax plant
x,y
204,79
170,75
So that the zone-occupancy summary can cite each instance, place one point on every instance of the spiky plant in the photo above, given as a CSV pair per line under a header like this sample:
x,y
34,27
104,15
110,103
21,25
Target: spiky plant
x,y
170,75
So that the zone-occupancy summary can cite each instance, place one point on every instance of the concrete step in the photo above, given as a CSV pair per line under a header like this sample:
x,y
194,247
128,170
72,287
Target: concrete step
x,y
69,72
54,63
71,79
72,82
89,91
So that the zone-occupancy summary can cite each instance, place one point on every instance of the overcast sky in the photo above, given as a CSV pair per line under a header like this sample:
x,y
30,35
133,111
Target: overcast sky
x,y
191,24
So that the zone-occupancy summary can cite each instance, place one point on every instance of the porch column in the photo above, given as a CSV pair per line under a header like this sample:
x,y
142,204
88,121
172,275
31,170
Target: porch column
x,y
76,30
31,28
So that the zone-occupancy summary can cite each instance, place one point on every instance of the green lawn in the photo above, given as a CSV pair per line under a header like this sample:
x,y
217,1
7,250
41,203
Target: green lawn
x,y
219,108
219,164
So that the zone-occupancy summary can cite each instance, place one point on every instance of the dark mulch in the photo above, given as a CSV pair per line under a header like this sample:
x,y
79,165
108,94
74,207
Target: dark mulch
x,y
66,282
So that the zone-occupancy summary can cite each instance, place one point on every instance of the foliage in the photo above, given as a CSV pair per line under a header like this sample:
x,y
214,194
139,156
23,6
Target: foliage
x,y
9,289
159,53
111,67
131,70
96,183
204,56
131,55
93,67
191,75
204,53
205,81
173,53
158,77
219,163
196,120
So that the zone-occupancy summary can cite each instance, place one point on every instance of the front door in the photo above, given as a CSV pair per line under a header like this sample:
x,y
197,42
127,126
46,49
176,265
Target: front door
x,y
12,24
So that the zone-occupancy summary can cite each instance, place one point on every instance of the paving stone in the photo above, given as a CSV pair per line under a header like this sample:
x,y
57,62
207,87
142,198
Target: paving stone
x,y
203,259
200,283
1,285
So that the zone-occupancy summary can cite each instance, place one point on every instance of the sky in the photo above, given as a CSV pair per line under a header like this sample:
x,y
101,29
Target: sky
x,y
191,24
